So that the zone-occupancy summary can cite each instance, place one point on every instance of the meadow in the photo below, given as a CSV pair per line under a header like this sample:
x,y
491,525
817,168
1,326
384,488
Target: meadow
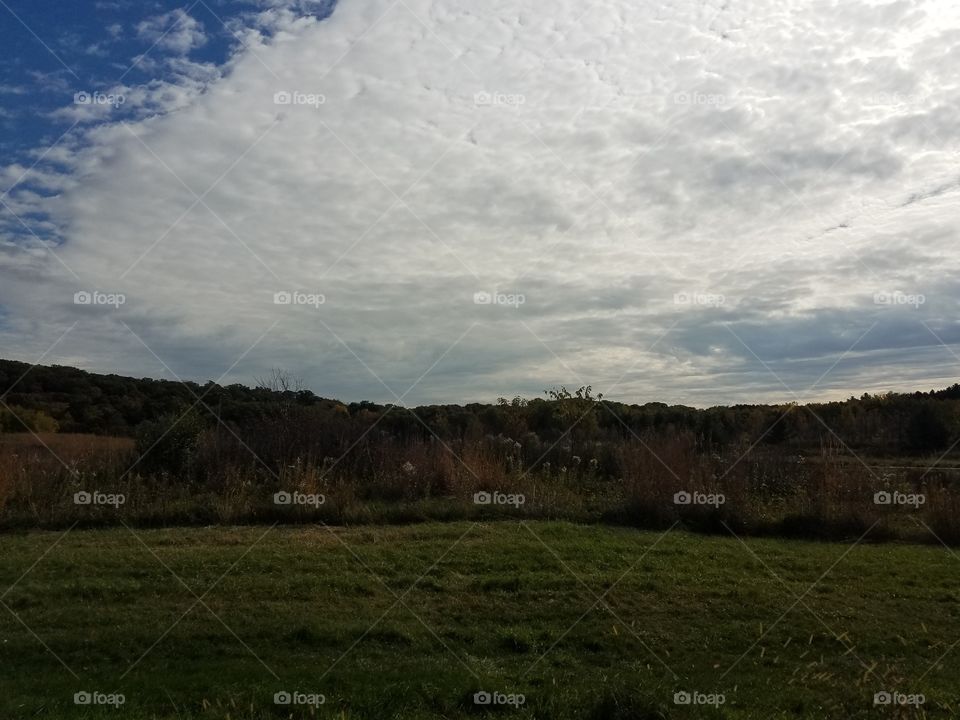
x,y
553,619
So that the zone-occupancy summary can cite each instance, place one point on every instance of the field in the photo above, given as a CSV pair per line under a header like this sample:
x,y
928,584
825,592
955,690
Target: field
x,y
584,621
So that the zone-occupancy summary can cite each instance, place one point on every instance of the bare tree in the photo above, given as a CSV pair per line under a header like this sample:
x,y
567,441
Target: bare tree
x,y
280,380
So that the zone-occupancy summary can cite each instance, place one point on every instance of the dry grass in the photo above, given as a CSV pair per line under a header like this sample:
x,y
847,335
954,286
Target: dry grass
x,y
385,479
35,468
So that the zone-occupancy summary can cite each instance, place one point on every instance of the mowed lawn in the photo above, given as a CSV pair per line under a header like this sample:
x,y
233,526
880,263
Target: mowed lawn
x,y
410,622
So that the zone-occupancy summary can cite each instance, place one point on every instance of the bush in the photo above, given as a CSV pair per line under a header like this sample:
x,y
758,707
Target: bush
x,y
18,419
170,444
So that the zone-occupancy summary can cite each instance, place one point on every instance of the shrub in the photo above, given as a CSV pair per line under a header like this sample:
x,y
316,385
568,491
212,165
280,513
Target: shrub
x,y
170,444
18,419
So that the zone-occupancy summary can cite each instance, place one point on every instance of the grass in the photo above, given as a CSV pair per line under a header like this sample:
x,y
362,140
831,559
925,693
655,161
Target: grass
x,y
771,494
410,622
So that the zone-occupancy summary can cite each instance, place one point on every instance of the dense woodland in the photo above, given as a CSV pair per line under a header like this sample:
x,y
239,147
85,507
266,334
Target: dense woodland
x,y
75,401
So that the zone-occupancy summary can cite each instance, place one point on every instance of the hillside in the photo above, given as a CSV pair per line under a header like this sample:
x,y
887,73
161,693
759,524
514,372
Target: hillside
x,y
84,402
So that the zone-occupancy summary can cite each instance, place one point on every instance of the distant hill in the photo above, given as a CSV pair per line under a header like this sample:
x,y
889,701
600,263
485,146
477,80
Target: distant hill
x,y
73,400
81,401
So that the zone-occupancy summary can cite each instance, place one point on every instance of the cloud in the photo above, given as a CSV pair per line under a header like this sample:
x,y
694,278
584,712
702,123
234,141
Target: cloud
x,y
176,31
695,201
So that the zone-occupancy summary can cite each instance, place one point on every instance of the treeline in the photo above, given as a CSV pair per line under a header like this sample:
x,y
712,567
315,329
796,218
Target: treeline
x,y
77,401
50,398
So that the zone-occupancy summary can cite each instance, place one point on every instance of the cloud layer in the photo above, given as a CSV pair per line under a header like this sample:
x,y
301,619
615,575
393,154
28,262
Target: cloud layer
x,y
698,202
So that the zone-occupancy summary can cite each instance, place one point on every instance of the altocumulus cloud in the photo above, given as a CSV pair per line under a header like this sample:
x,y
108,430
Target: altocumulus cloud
x,y
694,202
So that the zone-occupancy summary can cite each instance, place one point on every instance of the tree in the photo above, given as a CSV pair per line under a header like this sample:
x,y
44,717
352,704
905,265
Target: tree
x,y
170,444
575,412
19,419
927,431
278,380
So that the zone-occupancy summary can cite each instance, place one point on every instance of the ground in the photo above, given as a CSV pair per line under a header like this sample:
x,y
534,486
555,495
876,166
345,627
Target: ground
x,y
412,621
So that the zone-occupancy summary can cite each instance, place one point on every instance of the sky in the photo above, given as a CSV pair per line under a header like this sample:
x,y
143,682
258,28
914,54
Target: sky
x,y
425,201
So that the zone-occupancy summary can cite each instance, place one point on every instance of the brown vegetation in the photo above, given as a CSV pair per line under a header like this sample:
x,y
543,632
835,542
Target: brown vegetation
x,y
223,475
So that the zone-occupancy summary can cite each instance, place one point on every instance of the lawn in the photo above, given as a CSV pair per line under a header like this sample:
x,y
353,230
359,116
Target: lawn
x,y
410,622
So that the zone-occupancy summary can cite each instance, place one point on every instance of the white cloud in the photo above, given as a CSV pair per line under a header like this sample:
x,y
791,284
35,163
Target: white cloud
x,y
176,31
599,160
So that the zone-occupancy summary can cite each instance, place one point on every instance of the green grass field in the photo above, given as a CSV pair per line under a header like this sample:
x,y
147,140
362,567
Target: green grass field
x,y
410,622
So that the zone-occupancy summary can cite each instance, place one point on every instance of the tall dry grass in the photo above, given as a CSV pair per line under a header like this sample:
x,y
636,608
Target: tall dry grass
x,y
375,476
